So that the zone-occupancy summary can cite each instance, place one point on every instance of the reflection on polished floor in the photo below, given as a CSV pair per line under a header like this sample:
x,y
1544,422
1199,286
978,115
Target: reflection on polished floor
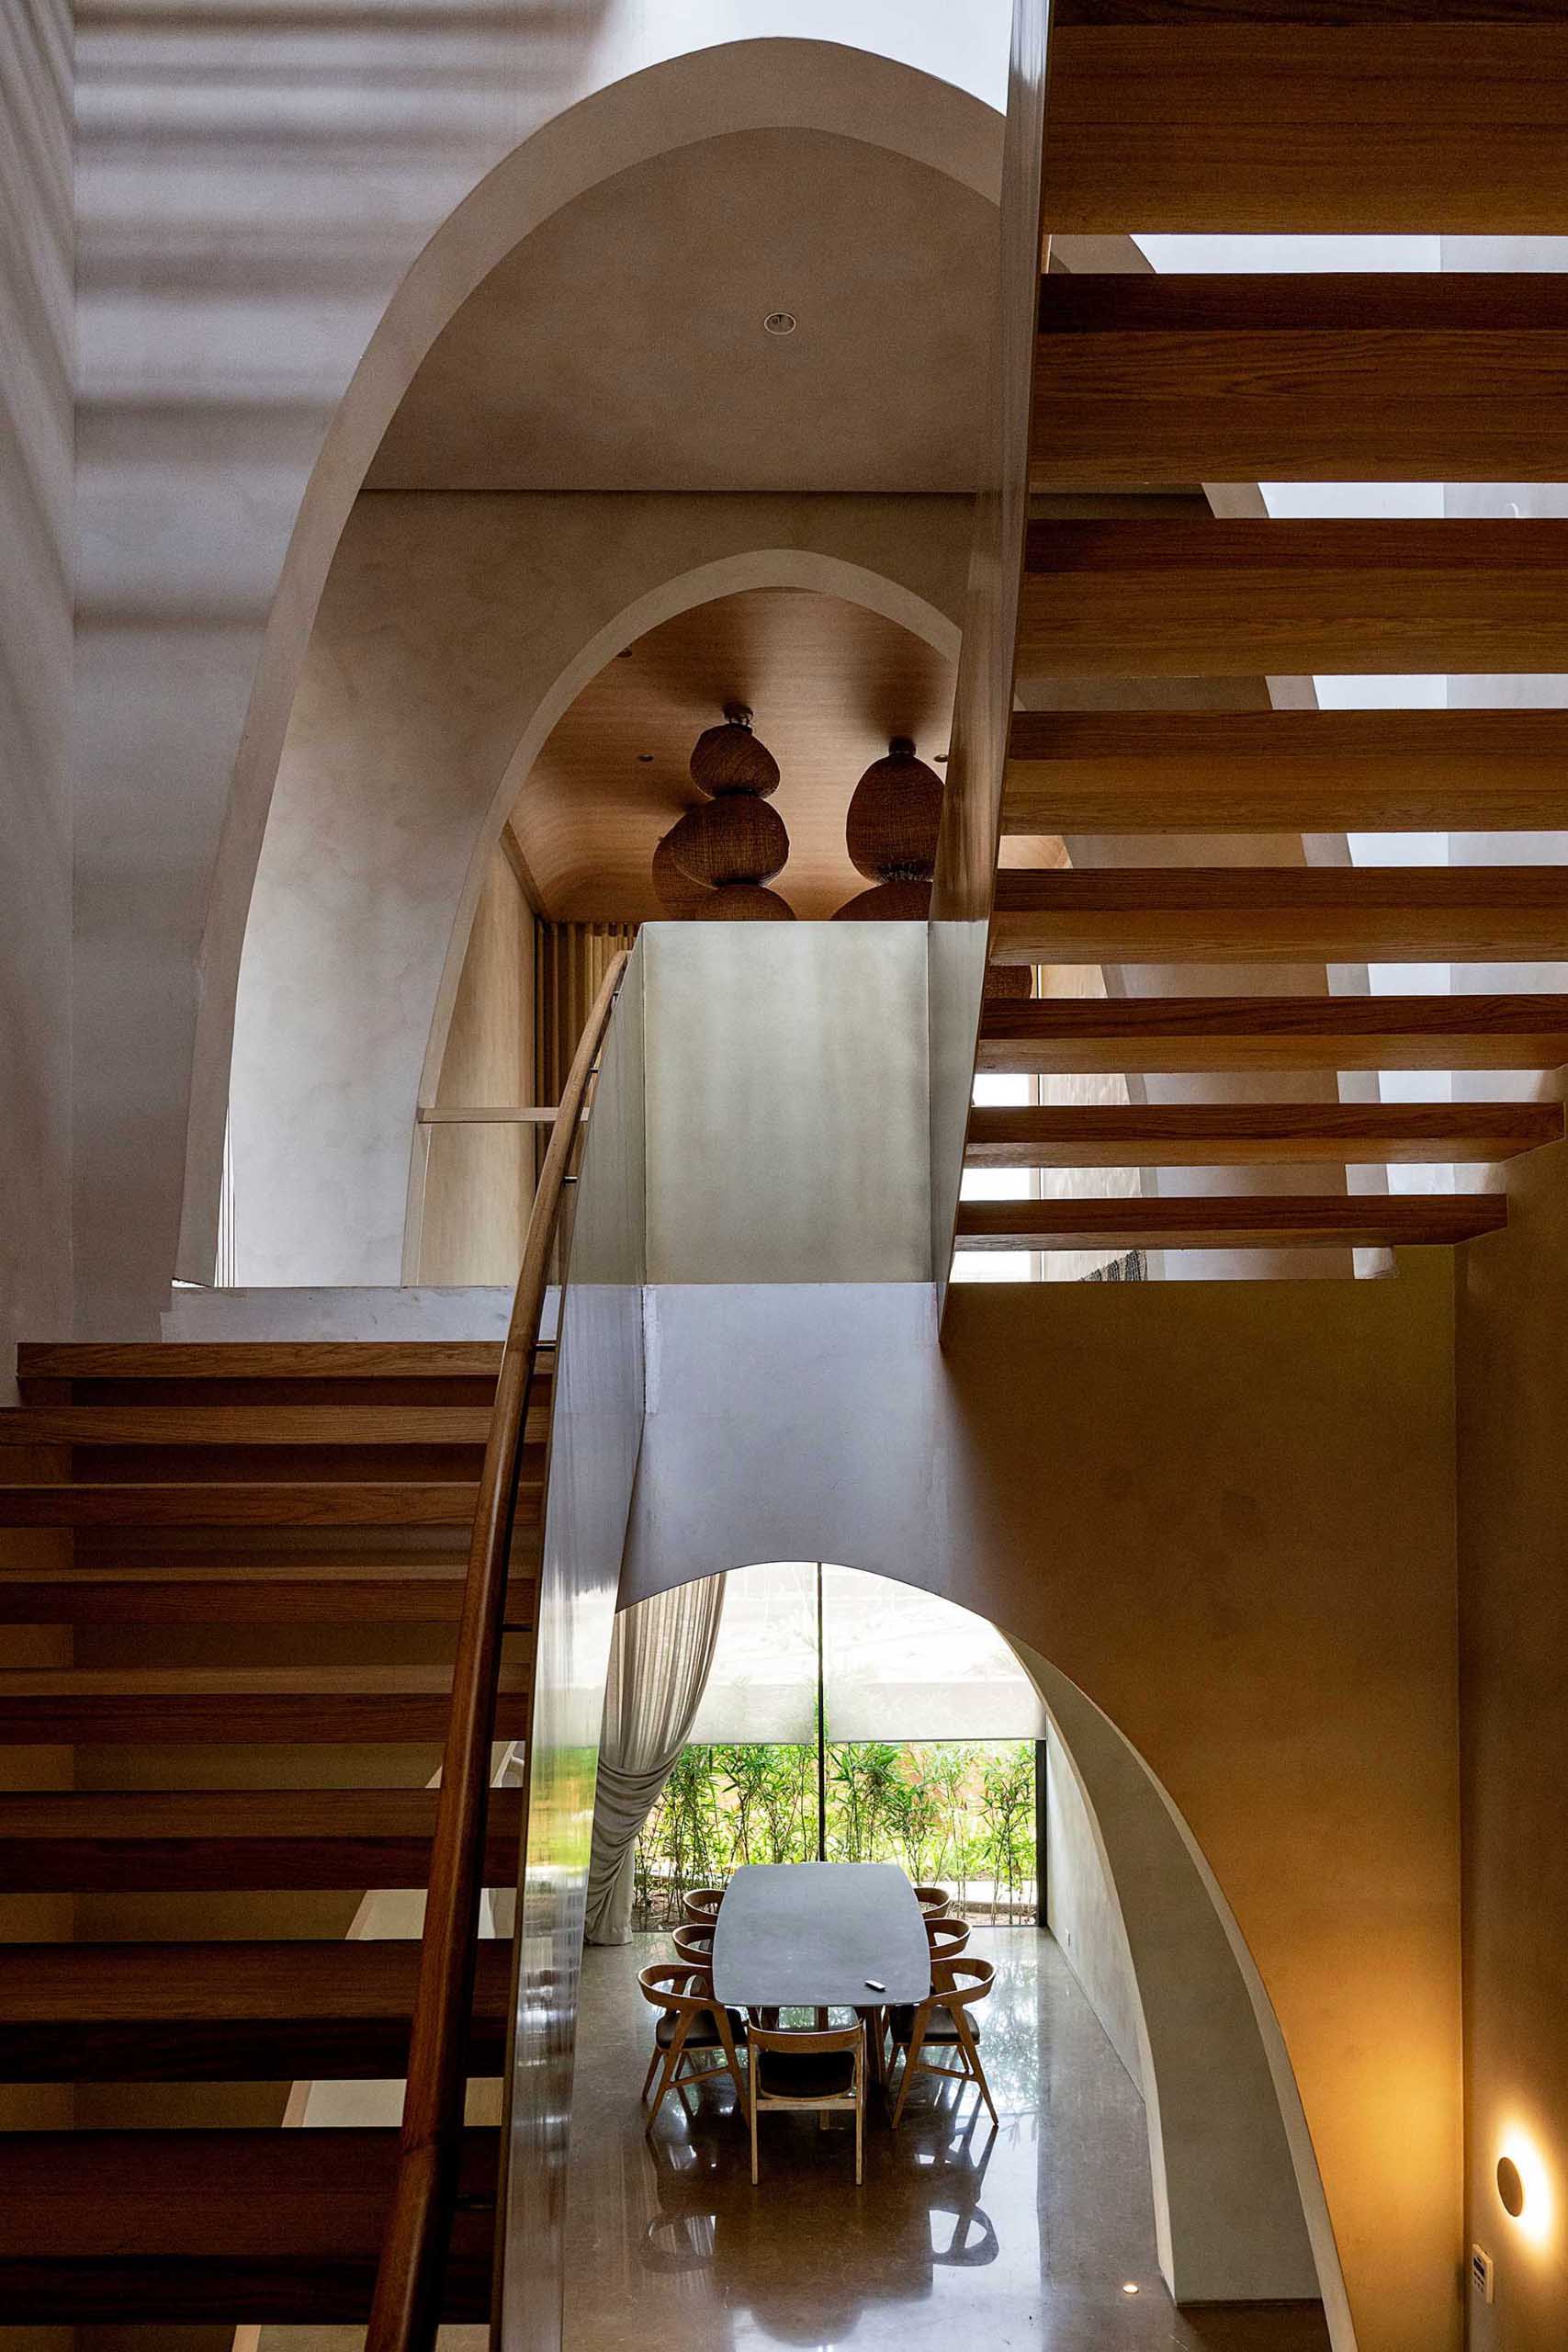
x,y
1021,2236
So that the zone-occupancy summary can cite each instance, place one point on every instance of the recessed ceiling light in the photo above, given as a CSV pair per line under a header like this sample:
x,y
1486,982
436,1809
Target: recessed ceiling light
x,y
779,322
645,757
1129,2286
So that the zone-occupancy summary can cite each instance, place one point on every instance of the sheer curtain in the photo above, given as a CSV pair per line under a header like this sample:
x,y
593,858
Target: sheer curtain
x,y
660,1658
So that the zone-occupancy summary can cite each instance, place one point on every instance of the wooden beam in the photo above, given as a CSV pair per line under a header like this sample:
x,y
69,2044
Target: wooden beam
x,y
161,1706
1291,771
1426,118
1240,1032
1142,381
1282,914
1256,1221
259,1360
1230,599
306,1426
236,2012
1232,1135
203,1841
261,1502
255,1593
164,2227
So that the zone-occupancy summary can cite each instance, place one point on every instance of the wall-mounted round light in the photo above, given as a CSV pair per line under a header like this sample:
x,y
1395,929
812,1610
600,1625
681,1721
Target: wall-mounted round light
x,y
1510,2186
1524,2187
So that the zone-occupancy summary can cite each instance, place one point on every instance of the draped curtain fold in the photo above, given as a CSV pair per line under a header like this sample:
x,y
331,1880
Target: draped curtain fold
x,y
660,1658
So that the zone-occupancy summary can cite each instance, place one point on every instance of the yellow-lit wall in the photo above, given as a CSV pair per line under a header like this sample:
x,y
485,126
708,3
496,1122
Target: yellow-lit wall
x,y
1513,1457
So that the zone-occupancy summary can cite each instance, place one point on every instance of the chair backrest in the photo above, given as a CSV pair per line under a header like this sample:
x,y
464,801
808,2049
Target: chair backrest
x,y
957,1983
701,1905
947,1937
676,1984
694,1944
933,1900
802,2041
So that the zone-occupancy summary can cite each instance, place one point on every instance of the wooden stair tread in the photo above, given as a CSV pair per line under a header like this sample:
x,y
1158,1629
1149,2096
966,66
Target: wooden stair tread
x,y
1434,376
1234,598
159,1705
1282,914
204,1841
261,1593
1282,116
230,2011
302,1426
1254,1221
1236,1134
1086,1036
345,1502
257,1359
1300,771
220,2226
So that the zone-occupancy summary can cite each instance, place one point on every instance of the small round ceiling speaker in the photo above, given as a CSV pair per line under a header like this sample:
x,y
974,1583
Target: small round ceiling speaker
x,y
737,838
679,897
1009,983
746,903
894,816
729,758
888,902
1510,2186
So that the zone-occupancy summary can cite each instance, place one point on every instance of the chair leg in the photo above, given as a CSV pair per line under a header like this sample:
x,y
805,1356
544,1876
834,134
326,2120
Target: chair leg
x,y
652,2070
911,2061
860,2118
972,2052
751,2104
672,2068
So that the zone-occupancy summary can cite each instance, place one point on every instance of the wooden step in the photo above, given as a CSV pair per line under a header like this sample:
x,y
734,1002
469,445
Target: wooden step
x,y
302,1427
227,2012
1227,1134
247,1593
157,1706
1413,117
206,1360
1256,1221
221,2227
1277,914
1204,598
1293,771
1085,1035
270,1502
211,1840
1145,381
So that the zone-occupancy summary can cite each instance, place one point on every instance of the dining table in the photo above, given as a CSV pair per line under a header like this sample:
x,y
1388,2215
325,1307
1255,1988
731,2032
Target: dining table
x,y
819,1935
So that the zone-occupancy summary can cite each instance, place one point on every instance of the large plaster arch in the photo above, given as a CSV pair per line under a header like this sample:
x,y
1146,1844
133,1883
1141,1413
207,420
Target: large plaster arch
x,y
850,92
398,776
1240,2214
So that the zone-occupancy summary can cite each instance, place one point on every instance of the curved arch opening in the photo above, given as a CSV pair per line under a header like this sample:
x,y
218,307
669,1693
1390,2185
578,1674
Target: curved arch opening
x,y
1158,1994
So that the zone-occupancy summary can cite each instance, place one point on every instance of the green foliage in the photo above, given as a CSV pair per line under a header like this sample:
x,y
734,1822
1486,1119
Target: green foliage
x,y
960,1811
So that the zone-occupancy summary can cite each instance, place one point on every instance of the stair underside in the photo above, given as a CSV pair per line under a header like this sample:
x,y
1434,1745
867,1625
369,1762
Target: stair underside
x,y
1255,1221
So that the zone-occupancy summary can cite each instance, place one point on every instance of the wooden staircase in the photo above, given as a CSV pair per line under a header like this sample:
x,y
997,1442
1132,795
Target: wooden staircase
x,y
258,1553
1183,817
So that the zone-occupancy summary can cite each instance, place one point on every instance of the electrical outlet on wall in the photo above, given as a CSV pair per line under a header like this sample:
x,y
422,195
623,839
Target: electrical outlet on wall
x,y
1483,2275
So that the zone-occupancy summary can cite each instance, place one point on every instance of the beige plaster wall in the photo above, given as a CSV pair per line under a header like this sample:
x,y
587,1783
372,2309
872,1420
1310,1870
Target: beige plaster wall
x,y
479,1180
1081,1910
453,631
37,369
1513,1487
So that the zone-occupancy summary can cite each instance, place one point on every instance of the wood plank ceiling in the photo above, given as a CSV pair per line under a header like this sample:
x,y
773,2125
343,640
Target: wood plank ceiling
x,y
1286,118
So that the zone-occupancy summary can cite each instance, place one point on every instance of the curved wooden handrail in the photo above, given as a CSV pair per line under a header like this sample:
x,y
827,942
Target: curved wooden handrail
x,y
406,2310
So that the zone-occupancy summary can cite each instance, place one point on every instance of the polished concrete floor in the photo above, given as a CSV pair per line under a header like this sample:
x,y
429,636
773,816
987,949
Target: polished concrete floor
x,y
963,2239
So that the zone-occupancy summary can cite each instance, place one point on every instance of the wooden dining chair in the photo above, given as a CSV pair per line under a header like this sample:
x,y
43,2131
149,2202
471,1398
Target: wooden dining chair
x,y
691,2027
702,1906
694,1944
806,2070
947,1937
942,2022
933,1900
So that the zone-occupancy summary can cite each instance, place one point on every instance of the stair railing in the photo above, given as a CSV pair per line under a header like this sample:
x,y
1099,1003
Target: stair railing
x,y
405,2313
